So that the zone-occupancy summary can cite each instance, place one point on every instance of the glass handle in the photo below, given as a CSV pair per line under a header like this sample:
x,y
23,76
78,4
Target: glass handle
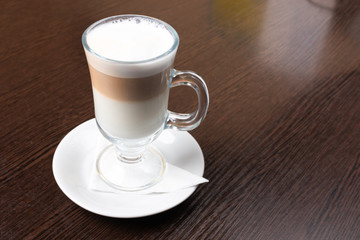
x,y
189,121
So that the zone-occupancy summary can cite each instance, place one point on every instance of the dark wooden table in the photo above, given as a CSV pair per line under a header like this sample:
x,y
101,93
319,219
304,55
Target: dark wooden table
x,y
281,139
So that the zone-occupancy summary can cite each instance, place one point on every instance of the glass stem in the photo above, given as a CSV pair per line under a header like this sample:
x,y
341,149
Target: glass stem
x,y
129,155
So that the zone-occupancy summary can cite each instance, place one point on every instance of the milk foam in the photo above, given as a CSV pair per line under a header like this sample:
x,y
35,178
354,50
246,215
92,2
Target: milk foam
x,y
127,42
135,39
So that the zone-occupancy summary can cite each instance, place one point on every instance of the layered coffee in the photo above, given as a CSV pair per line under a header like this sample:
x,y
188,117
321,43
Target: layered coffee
x,y
130,63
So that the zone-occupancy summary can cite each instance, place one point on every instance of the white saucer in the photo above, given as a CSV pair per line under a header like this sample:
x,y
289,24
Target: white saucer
x,y
72,165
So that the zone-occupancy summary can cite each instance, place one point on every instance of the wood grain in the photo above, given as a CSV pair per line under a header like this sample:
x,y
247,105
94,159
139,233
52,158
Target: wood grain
x,y
281,138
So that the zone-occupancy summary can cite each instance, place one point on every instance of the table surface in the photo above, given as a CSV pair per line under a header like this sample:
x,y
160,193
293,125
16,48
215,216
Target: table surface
x,y
281,139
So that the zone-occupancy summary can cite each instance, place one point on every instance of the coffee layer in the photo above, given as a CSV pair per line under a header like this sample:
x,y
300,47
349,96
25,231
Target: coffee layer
x,y
129,89
131,120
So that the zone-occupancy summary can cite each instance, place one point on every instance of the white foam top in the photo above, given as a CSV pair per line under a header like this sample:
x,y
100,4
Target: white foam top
x,y
128,42
133,39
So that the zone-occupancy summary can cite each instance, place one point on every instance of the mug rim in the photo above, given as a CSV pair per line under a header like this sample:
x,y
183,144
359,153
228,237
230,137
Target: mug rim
x,y
127,16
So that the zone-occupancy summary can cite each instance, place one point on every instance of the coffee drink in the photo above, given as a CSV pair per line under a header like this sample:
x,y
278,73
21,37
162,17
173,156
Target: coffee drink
x,y
130,63
130,60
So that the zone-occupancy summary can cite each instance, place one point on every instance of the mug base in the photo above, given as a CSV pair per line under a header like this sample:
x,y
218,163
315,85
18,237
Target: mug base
x,y
127,175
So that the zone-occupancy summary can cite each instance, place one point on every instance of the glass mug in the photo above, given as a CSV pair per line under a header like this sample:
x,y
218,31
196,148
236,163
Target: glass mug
x,y
130,59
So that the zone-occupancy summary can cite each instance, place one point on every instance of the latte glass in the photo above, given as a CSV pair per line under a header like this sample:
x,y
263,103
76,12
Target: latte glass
x,y
131,96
